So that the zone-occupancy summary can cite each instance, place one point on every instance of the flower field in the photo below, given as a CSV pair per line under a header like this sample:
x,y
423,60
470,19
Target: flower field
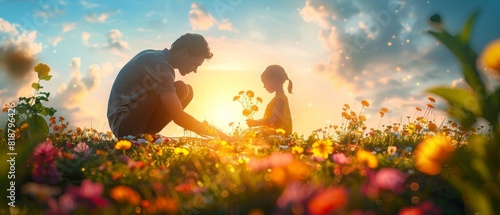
x,y
415,167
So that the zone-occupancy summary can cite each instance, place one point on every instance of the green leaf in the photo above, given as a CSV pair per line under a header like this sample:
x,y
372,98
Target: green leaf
x,y
36,86
467,29
37,129
459,98
50,111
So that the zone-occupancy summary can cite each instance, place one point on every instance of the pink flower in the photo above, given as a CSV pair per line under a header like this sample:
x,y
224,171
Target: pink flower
x,y
44,166
83,149
390,179
385,179
88,192
65,204
340,158
274,160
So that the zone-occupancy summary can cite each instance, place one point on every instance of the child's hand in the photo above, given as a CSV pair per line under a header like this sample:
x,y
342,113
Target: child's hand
x,y
251,123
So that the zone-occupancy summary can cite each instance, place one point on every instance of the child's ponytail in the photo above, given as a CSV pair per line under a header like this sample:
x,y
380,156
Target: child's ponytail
x,y
290,86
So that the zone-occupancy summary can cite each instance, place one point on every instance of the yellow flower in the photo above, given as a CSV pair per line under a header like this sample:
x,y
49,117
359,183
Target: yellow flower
x,y
322,148
491,56
433,152
280,131
181,151
149,137
254,108
259,99
235,98
368,158
159,151
43,71
123,144
297,150
365,103
223,142
124,194
241,92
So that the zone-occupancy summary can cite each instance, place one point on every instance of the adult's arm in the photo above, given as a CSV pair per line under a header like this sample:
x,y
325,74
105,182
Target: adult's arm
x,y
174,108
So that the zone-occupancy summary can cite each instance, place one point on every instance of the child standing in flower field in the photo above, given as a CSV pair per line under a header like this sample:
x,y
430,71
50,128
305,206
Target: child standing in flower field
x,y
277,114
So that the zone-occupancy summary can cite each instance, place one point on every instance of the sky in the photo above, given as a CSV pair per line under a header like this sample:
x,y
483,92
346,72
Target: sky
x,y
336,52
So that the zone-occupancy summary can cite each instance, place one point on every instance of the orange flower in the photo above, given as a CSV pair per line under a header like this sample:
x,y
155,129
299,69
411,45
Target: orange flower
x,y
385,110
362,117
149,137
418,109
246,112
6,108
347,106
365,103
328,201
259,99
368,158
123,144
430,106
250,94
433,152
491,56
382,114
241,92
432,127
124,194
254,108
235,98
432,99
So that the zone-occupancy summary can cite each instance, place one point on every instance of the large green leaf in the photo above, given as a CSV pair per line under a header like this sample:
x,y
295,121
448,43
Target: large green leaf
x,y
460,98
37,129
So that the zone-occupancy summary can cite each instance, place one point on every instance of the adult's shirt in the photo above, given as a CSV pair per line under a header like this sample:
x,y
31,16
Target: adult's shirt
x,y
148,71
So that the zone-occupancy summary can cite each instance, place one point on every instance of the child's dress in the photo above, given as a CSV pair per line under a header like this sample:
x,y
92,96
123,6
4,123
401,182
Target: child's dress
x,y
285,120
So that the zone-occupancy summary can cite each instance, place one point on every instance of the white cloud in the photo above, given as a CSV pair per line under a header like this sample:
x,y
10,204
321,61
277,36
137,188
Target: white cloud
x,y
18,49
199,17
86,37
225,25
91,17
88,5
115,41
68,26
56,40
6,27
70,94
316,15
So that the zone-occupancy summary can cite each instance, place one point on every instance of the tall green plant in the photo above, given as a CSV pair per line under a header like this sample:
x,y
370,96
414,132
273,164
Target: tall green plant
x,y
475,168
25,128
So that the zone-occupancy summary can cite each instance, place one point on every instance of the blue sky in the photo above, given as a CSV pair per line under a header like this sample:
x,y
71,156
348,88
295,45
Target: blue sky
x,y
336,52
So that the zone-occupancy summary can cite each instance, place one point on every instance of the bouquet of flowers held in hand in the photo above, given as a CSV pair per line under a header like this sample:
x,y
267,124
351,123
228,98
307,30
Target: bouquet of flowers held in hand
x,y
249,103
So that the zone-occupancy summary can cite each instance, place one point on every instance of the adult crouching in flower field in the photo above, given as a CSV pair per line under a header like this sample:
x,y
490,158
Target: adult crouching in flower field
x,y
145,96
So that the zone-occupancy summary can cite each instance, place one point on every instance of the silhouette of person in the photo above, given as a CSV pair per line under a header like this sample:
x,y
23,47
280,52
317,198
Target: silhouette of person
x,y
145,97
277,114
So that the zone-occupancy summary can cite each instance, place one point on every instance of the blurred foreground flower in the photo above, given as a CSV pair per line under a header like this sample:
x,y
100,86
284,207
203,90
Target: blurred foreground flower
x,y
124,194
491,57
328,201
432,153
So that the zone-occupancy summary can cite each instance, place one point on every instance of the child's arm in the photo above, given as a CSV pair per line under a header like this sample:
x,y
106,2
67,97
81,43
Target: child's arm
x,y
270,121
